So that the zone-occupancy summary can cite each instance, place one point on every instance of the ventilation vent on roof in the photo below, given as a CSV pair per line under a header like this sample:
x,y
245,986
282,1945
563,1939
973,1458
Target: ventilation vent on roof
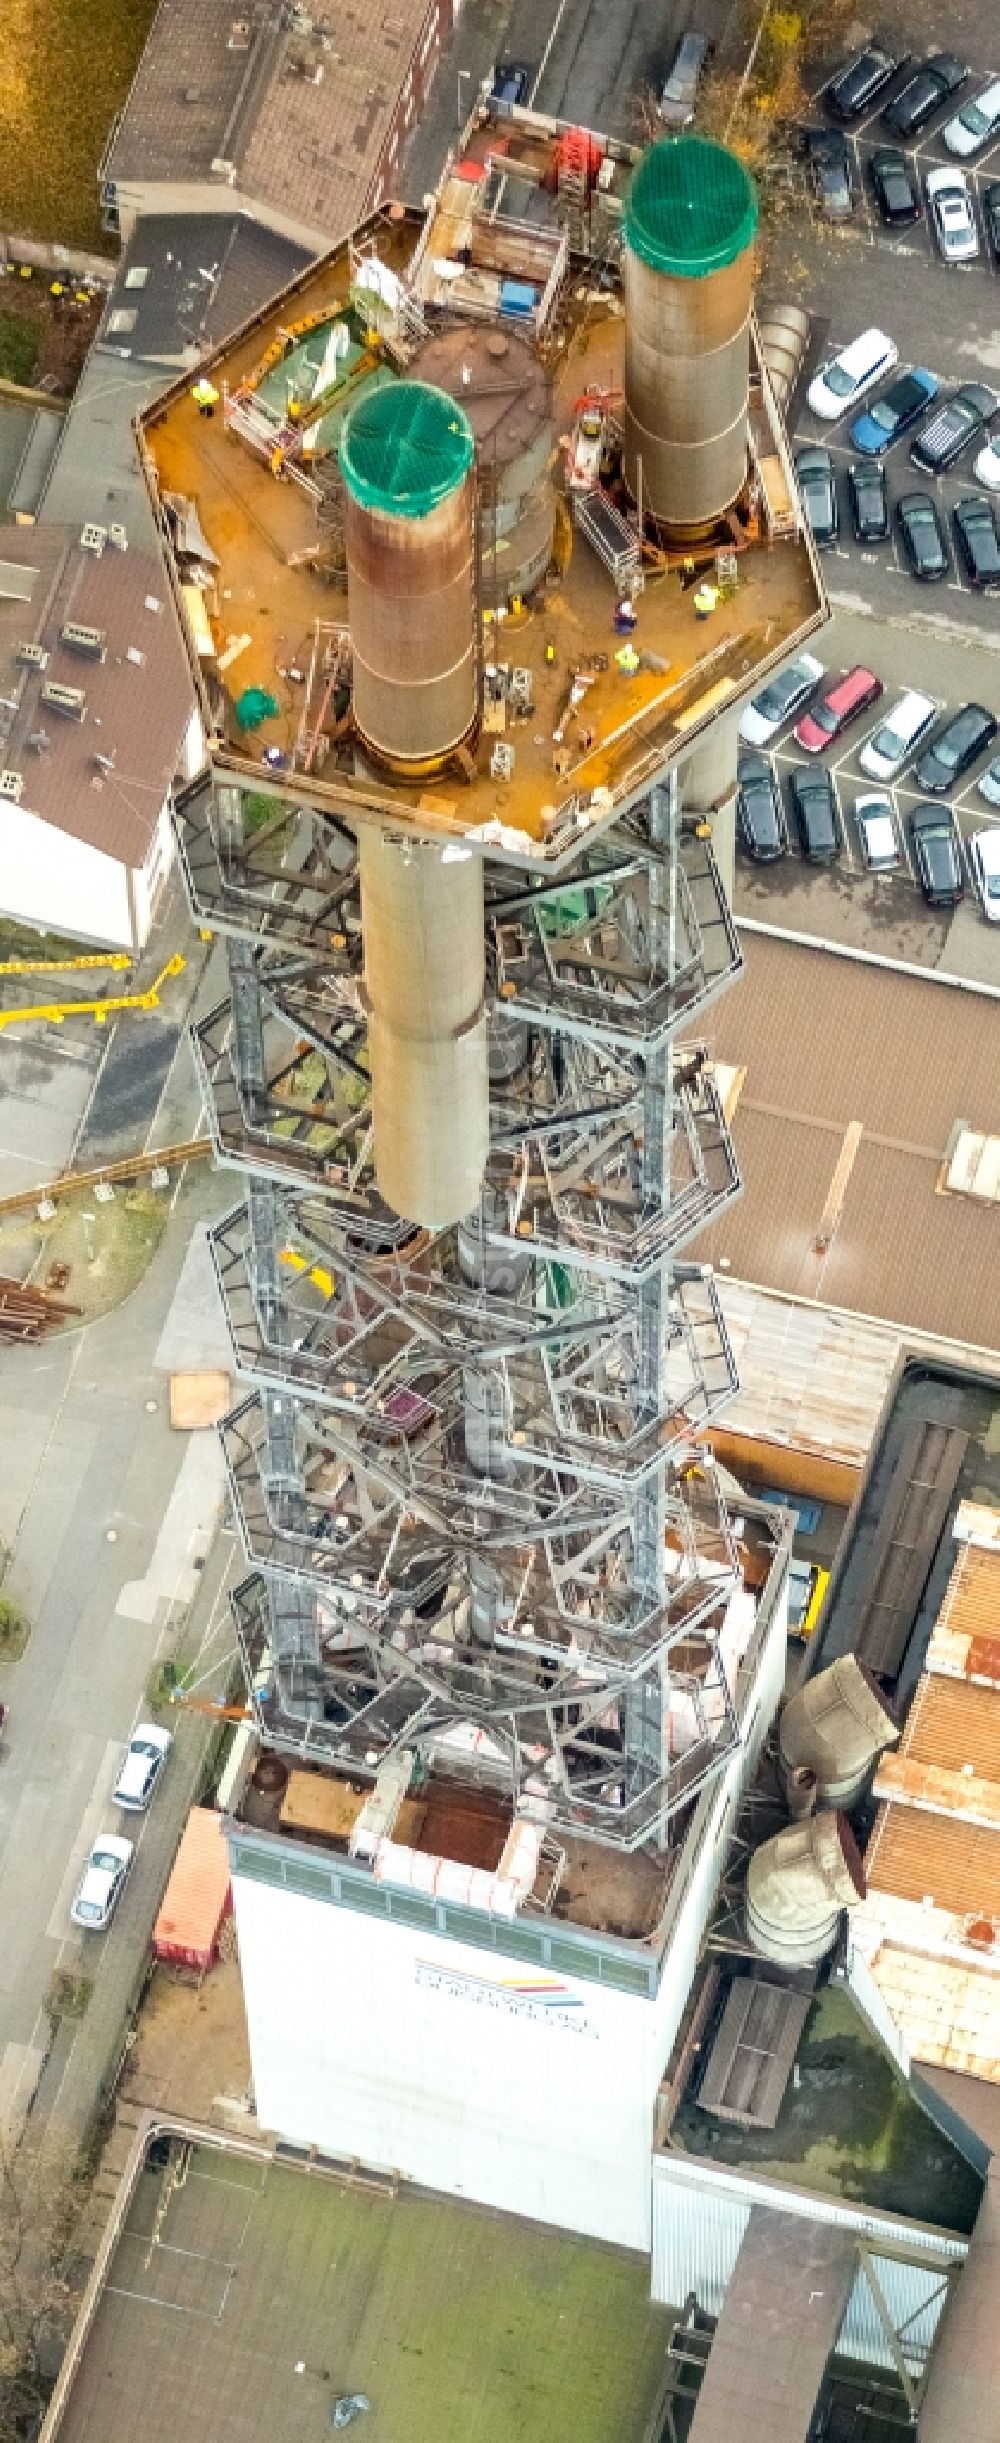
x,y
93,538
91,641
224,169
40,741
119,537
31,657
974,1168
239,35
12,786
123,320
71,701
137,275
981,1932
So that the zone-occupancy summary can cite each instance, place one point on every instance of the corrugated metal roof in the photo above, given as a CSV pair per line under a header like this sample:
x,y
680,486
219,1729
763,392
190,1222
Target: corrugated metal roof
x,y
954,1725
965,1641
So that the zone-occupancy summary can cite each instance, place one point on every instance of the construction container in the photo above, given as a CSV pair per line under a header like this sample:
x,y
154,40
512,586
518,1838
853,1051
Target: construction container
x,y
504,390
197,1897
407,456
689,228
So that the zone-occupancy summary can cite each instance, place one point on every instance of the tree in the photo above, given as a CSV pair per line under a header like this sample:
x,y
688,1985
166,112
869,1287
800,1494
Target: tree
x,y
41,2197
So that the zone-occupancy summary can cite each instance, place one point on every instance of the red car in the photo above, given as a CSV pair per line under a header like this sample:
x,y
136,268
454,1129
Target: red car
x,y
836,707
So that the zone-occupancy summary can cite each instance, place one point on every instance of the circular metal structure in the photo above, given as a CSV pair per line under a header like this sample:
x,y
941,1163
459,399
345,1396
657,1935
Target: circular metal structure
x,y
501,385
688,267
407,455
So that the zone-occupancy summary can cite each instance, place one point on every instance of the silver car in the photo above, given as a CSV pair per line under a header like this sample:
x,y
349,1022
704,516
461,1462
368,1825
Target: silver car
x,y
984,858
680,92
101,1883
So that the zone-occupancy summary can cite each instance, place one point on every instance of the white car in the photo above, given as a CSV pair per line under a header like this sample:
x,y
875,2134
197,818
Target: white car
x,y
877,829
986,468
988,783
984,858
784,695
835,389
100,1888
893,742
952,216
974,124
144,1759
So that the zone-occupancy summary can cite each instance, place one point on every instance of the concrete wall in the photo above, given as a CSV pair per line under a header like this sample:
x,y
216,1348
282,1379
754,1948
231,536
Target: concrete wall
x,y
48,878
462,2069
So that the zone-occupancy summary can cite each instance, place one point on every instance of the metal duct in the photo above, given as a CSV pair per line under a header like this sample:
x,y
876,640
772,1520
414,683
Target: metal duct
x,y
837,1725
407,458
422,915
797,1885
688,273
784,336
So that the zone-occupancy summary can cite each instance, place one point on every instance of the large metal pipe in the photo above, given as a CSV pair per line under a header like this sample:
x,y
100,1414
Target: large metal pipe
x,y
407,458
688,274
708,787
837,1724
797,1886
422,920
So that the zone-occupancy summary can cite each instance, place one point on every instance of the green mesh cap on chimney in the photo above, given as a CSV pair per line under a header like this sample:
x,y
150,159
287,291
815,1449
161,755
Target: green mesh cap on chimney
x,y
404,448
692,208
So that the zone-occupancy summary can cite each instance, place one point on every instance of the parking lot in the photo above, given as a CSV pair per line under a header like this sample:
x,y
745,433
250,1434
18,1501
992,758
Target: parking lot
x,y
942,638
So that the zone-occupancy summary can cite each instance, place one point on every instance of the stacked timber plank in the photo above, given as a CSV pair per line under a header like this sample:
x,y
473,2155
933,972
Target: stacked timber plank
x,y
26,1312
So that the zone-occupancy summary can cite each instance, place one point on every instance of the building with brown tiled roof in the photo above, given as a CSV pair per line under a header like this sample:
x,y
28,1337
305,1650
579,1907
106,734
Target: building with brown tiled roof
x,y
298,116
98,717
928,1933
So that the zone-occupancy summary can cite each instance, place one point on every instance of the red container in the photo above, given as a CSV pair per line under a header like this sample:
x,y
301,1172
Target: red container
x,y
198,1895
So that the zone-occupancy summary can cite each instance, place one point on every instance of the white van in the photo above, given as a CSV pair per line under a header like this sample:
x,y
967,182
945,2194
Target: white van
x,y
892,744
838,385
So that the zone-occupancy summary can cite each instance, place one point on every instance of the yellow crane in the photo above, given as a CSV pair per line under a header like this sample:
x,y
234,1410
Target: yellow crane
x,y
99,1011
53,967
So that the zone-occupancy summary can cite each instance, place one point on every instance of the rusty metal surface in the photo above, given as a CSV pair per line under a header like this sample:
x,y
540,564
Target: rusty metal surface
x,y
412,593
687,379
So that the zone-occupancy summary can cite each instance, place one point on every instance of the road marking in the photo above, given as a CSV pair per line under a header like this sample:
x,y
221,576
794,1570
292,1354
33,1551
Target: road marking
x,y
556,23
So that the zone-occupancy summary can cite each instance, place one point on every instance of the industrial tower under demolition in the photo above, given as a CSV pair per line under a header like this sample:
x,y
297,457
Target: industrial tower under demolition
x,y
461,1078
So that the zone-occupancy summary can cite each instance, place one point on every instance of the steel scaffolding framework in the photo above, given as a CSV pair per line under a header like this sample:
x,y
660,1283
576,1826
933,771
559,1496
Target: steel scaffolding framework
x,y
465,1473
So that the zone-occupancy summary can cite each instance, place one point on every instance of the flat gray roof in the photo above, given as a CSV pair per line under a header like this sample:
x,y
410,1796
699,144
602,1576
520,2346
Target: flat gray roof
x,y
238,2302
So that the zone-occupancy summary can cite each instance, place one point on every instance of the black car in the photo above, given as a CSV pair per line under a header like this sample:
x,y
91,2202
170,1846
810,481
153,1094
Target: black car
x,y
859,82
978,541
818,486
894,187
922,536
869,500
965,737
759,812
930,85
830,170
510,82
958,420
937,856
990,201
815,802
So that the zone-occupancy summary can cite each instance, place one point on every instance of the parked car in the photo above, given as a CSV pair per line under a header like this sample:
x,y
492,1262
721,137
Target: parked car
x,y
680,92
100,1886
984,858
893,742
989,199
902,406
954,422
857,85
978,542
894,187
830,170
511,82
784,695
869,501
760,816
836,708
975,124
818,486
988,785
877,831
836,387
931,84
815,801
144,1759
965,736
937,856
922,536
986,467
952,217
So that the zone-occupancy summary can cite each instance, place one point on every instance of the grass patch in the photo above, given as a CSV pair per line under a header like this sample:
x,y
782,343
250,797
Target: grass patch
x,y
18,348
68,1996
14,1632
106,1247
65,69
